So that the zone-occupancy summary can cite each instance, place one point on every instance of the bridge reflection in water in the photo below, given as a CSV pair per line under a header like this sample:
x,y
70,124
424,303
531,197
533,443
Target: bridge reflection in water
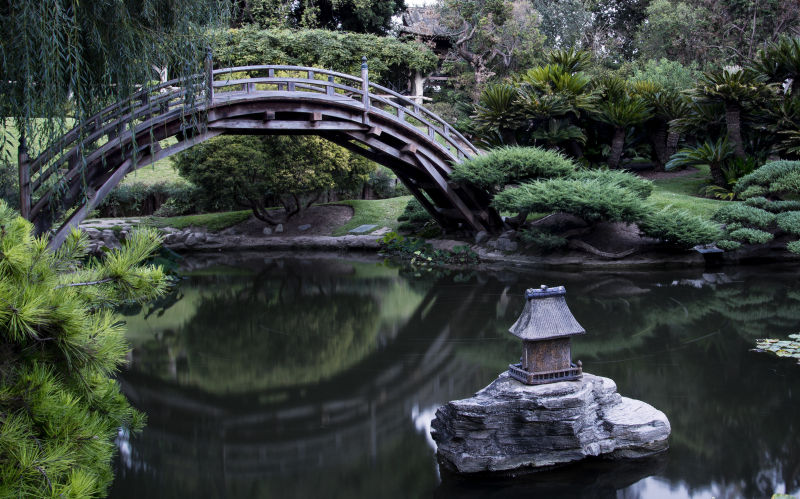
x,y
674,340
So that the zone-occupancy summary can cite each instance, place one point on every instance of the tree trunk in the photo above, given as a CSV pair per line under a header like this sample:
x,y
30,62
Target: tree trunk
x,y
574,148
717,176
617,145
509,136
733,121
658,141
672,143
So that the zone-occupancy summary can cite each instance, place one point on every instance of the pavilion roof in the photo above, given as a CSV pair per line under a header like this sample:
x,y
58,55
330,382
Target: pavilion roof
x,y
546,316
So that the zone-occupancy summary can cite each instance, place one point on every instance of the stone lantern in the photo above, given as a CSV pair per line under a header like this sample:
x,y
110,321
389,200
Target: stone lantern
x,y
545,327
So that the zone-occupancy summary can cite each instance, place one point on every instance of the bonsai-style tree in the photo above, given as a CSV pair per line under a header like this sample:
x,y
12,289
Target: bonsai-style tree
x,y
60,343
524,180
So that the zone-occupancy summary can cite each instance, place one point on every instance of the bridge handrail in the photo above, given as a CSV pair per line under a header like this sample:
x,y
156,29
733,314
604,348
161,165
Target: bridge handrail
x,y
449,134
107,117
96,132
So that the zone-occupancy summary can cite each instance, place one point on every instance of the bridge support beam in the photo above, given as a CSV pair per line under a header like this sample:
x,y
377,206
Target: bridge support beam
x,y
24,166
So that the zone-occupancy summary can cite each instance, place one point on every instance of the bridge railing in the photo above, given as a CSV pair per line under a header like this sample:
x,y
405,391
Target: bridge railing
x,y
107,129
371,96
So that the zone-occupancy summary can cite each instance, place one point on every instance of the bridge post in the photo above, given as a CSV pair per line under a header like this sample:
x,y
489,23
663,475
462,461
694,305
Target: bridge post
x,y
210,76
365,89
24,165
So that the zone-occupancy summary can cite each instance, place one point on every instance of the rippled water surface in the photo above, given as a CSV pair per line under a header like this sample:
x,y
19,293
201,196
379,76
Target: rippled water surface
x,y
318,377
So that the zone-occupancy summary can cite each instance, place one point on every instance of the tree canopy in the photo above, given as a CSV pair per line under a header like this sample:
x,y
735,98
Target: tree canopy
x,y
256,172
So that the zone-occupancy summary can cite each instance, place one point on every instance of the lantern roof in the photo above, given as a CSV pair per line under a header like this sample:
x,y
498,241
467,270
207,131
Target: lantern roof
x,y
546,316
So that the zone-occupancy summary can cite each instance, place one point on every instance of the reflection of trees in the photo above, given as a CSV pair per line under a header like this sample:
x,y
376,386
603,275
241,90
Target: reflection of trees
x,y
679,341
282,338
290,323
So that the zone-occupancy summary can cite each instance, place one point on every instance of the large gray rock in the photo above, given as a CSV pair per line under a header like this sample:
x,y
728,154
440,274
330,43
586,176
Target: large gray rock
x,y
510,426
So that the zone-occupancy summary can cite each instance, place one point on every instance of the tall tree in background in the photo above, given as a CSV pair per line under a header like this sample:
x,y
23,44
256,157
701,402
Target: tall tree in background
x,y
492,36
359,16
563,22
714,31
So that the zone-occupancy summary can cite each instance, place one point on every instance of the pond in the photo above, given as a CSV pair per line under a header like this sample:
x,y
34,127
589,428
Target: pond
x,y
318,377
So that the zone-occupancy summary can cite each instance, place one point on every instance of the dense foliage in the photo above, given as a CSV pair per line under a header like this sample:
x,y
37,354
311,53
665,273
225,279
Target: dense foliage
x,y
390,60
373,16
259,172
59,345
533,180
765,214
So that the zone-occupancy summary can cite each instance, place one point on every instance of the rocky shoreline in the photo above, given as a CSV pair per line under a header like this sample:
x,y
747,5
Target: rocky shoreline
x,y
498,251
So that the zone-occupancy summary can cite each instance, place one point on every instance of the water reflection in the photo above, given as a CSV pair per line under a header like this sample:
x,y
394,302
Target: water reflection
x,y
293,378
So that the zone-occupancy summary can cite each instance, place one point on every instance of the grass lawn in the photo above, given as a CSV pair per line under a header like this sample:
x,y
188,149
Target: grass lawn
x,y
212,221
682,193
381,212
158,173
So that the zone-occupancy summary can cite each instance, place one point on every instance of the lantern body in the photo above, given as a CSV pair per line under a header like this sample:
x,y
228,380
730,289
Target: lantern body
x,y
545,327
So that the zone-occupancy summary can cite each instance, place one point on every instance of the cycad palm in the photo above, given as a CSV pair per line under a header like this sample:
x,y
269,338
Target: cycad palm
x,y
621,110
497,112
732,87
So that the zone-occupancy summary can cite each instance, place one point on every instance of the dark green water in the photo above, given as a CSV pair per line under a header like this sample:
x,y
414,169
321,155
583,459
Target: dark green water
x,y
296,378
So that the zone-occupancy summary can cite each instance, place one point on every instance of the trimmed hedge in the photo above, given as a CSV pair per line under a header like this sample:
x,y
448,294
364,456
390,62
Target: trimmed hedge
x,y
773,206
744,214
138,198
643,188
728,245
790,222
794,247
594,201
679,228
776,179
509,165
751,236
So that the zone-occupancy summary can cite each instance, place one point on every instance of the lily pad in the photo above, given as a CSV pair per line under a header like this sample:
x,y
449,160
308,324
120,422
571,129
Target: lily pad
x,y
781,348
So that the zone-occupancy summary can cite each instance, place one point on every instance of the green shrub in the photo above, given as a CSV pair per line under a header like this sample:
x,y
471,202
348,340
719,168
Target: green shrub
x,y
751,236
138,198
744,214
594,201
384,184
414,217
508,165
776,179
542,239
773,206
643,188
728,245
794,247
679,228
790,222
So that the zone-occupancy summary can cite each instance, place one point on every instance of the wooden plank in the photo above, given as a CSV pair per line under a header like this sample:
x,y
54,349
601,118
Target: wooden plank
x,y
249,124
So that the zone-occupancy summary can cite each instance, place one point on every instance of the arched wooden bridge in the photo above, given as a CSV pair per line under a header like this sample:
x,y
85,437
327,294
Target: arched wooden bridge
x,y
60,187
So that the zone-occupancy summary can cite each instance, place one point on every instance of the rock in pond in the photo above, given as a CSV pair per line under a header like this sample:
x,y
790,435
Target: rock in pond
x,y
509,426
